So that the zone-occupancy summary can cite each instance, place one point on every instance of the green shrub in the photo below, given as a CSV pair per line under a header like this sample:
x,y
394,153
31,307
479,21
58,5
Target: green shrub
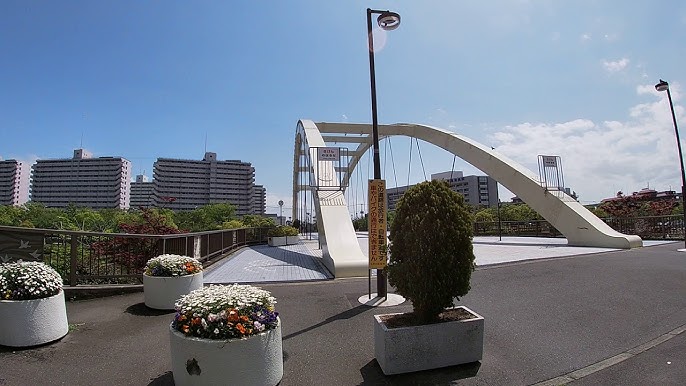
x,y
282,230
432,259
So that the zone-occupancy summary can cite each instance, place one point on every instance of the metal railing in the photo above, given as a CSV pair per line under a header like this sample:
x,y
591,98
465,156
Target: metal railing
x,y
118,258
648,228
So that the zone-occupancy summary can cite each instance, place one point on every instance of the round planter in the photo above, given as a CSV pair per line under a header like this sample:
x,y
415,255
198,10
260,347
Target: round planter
x,y
252,361
27,323
161,292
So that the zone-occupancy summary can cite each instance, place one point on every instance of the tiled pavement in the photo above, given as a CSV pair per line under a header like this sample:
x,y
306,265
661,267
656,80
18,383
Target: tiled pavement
x,y
302,261
262,263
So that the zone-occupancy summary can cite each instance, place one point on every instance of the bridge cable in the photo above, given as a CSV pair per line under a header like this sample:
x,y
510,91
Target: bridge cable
x,y
420,157
452,168
393,162
409,169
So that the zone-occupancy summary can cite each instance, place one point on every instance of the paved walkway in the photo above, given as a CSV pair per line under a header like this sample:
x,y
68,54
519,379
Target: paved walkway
x,y
302,262
613,318
262,263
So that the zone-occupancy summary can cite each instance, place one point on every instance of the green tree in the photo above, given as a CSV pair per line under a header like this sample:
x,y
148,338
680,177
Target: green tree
x,y
10,215
432,257
255,221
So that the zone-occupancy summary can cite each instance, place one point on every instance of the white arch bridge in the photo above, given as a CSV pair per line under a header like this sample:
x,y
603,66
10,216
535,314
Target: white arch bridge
x,y
341,251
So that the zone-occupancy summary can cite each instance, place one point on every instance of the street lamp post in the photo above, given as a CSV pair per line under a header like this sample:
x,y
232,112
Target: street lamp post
x,y
387,21
280,212
664,86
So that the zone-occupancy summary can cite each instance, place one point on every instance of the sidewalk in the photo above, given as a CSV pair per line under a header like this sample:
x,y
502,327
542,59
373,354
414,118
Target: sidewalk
x,y
544,319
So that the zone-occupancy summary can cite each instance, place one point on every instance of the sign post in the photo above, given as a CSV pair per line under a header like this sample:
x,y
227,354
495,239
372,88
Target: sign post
x,y
376,225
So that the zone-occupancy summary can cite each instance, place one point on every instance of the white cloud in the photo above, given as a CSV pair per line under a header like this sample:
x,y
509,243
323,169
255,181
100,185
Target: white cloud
x,y
616,66
601,158
586,37
611,37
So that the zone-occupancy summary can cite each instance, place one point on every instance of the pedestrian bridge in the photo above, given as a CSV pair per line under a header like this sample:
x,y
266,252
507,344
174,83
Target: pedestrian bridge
x,y
341,252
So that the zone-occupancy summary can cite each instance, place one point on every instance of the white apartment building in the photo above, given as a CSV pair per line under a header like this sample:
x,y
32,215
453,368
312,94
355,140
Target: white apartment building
x,y
188,184
98,183
14,182
142,192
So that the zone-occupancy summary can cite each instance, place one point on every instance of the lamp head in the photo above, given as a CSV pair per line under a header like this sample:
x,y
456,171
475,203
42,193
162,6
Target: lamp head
x,y
662,86
388,20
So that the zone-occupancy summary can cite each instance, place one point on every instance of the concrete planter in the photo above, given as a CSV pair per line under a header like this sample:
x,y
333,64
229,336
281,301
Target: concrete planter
x,y
161,292
27,323
252,361
277,241
416,348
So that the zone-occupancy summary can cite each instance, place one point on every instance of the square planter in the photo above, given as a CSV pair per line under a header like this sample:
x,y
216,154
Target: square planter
x,y
278,241
431,346
292,240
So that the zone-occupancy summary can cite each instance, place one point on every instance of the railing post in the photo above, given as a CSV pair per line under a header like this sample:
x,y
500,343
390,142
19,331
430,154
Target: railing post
x,y
72,260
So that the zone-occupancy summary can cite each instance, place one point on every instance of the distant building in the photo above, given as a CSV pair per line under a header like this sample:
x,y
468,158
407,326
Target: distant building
x,y
14,182
142,193
259,200
188,184
646,194
98,183
477,190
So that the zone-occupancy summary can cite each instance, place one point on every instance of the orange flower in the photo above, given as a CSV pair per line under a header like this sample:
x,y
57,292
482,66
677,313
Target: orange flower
x,y
240,328
244,319
185,328
233,316
196,321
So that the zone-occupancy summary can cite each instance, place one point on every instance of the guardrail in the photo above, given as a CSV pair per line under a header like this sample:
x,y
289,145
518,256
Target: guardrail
x,y
118,258
648,227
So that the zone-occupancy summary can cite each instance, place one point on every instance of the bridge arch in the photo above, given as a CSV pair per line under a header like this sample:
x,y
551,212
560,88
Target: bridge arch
x,y
341,252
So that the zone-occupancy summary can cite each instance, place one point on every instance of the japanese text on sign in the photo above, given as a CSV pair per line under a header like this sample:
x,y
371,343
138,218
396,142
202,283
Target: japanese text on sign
x,y
328,154
549,161
377,224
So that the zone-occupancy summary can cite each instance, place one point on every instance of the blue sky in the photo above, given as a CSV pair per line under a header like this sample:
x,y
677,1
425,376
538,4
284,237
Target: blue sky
x,y
154,79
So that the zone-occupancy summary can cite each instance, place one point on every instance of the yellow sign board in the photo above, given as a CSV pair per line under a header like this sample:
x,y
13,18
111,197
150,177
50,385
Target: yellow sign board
x,y
376,221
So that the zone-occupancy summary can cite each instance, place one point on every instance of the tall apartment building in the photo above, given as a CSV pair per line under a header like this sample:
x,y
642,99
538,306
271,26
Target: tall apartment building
x,y
477,190
142,194
98,183
187,184
14,182
259,200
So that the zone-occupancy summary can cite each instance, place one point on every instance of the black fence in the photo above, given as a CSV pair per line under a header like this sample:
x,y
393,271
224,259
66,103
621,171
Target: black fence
x,y
116,258
648,228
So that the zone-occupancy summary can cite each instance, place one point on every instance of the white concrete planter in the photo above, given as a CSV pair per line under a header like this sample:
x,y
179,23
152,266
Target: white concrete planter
x,y
277,241
27,323
256,360
161,292
416,348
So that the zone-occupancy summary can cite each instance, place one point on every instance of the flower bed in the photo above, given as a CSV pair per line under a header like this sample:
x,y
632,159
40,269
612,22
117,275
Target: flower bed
x,y
28,280
172,265
225,312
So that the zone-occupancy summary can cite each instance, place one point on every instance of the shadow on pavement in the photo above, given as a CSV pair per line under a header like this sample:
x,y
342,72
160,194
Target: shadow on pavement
x,y
343,315
166,379
372,375
140,309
